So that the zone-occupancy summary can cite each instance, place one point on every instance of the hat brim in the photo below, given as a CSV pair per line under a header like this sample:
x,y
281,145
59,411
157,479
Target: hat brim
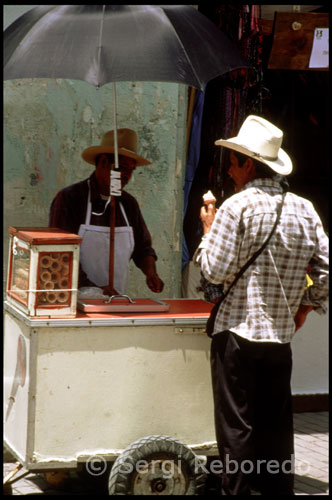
x,y
90,154
282,165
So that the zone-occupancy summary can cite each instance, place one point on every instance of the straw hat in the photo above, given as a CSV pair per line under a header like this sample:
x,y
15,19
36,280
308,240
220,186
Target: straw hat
x,y
127,146
261,140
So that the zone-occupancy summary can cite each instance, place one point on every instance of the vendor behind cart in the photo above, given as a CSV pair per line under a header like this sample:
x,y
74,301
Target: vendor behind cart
x,y
84,208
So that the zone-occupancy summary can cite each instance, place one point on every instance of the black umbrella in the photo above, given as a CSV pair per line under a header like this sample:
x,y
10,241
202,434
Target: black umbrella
x,y
110,43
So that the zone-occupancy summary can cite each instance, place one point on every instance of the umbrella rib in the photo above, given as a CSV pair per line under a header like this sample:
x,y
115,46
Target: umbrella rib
x,y
100,44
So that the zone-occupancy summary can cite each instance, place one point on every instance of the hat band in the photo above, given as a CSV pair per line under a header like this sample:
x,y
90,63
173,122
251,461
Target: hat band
x,y
265,157
129,150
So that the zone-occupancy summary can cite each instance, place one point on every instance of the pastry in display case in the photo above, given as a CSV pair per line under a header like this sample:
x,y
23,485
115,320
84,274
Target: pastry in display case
x,y
43,271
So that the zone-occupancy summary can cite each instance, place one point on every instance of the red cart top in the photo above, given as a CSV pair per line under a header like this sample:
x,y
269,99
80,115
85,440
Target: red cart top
x,y
45,235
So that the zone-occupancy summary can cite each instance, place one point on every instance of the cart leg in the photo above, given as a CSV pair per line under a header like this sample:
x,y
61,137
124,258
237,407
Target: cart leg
x,y
12,473
7,486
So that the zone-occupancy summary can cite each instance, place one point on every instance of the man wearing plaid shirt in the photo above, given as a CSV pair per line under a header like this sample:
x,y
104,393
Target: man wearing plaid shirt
x,y
251,359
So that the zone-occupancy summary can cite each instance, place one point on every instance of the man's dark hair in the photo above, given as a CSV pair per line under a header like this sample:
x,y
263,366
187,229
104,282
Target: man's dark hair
x,y
262,170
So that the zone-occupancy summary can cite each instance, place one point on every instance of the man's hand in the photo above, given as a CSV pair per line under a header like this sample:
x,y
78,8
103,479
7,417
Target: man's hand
x,y
208,213
301,316
148,266
155,283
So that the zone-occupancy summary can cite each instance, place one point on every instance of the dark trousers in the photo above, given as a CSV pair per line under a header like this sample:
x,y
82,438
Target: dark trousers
x,y
253,414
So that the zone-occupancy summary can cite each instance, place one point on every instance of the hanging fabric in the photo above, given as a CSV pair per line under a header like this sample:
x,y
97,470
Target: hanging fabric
x,y
192,162
240,91
227,101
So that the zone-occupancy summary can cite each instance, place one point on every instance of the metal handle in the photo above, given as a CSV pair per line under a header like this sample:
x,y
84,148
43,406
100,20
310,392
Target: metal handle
x,y
108,301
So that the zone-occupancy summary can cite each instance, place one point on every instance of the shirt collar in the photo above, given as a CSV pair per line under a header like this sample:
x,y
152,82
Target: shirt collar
x,y
272,183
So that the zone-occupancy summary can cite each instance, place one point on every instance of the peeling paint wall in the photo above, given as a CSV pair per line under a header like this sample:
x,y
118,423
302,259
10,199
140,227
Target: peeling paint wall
x,y
48,123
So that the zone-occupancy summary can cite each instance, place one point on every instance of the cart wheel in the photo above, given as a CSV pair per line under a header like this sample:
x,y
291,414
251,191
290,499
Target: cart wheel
x,y
156,465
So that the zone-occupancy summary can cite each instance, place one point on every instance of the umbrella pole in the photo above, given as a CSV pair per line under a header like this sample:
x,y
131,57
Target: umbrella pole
x,y
116,154
112,196
111,256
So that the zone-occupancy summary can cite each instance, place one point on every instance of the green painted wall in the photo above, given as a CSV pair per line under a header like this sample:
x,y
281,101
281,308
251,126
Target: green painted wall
x,y
48,123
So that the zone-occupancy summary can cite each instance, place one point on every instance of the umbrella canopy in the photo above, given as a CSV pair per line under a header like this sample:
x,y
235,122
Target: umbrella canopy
x,y
111,43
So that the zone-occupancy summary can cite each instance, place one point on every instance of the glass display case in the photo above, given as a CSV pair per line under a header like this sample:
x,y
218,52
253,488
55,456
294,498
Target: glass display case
x,y
43,271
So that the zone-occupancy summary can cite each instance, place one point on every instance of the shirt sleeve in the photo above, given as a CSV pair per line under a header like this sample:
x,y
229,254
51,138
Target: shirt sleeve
x,y
68,208
59,216
64,215
317,294
219,249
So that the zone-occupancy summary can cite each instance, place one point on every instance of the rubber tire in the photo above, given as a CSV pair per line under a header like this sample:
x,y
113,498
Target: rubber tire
x,y
121,483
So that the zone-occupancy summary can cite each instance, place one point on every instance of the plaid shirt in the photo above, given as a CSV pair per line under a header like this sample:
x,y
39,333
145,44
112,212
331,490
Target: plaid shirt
x,y
262,304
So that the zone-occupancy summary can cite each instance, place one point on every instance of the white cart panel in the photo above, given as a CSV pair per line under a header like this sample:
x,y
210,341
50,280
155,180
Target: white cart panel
x,y
99,388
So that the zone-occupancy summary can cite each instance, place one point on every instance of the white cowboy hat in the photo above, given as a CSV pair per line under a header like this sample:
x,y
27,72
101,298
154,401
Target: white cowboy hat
x,y
261,140
127,146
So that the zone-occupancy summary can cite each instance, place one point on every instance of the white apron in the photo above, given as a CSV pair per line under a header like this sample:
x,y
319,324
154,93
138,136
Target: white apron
x,y
95,248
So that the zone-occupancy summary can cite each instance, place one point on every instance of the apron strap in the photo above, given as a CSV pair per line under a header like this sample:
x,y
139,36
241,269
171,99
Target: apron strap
x,y
124,214
88,207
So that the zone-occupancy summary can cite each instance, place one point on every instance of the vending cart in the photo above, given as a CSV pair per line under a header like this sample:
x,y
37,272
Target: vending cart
x,y
123,386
